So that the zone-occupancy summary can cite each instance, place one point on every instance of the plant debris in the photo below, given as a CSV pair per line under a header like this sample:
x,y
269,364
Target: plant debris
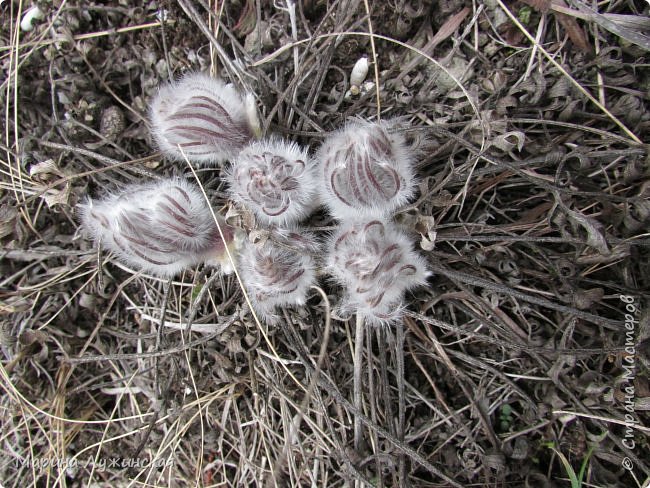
x,y
524,357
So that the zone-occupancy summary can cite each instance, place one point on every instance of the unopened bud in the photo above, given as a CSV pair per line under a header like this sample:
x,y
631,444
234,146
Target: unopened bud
x,y
160,227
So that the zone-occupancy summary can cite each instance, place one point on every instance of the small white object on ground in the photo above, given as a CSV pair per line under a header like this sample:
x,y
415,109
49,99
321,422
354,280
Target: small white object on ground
x,y
34,13
358,75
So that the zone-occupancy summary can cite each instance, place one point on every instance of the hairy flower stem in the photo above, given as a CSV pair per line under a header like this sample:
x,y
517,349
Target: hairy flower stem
x,y
399,356
328,386
358,369
383,371
372,394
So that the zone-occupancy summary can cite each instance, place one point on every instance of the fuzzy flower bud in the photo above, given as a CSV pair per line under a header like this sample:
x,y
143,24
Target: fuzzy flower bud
x,y
277,273
376,264
275,180
159,227
210,120
366,170
358,75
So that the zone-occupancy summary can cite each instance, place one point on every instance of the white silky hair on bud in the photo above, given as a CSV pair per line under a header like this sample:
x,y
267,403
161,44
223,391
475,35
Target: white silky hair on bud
x,y
160,227
296,239
375,262
278,274
365,170
210,120
276,180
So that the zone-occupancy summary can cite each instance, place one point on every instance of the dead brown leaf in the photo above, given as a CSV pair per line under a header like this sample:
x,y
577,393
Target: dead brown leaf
x,y
573,30
570,24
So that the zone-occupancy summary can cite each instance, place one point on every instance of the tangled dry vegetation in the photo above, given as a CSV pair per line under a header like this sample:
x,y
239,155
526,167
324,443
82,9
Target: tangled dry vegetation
x,y
524,359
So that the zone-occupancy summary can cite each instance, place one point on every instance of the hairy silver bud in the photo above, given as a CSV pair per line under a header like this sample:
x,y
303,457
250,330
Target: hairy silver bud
x,y
366,170
278,273
375,262
275,179
160,227
208,119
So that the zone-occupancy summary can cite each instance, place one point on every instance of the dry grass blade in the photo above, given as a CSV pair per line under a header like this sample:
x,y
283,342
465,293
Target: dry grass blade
x,y
632,28
529,324
574,31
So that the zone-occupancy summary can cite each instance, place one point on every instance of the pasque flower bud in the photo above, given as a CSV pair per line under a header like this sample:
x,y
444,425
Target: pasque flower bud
x,y
375,262
210,120
366,170
275,180
160,227
278,273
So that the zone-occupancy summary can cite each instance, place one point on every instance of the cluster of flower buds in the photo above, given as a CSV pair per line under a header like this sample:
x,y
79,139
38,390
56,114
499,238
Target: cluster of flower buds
x,y
167,226
366,173
362,173
160,227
